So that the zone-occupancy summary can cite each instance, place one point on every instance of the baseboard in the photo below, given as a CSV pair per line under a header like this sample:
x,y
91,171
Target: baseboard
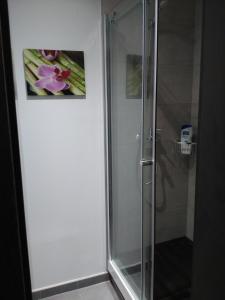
x,y
67,287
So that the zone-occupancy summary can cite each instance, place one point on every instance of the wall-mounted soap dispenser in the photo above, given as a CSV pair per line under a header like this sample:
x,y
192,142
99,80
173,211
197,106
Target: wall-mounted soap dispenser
x,y
184,145
186,139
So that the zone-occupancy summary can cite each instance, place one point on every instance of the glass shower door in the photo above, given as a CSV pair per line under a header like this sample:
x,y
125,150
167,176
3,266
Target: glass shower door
x,y
131,110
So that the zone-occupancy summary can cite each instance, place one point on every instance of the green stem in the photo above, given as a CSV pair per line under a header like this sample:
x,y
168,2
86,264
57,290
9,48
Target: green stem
x,y
77,84
75,90
63,59
40,56
72,62
31,57
77,79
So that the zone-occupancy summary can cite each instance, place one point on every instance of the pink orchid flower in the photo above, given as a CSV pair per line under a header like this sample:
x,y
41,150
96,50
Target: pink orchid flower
x,y
53,78
49,54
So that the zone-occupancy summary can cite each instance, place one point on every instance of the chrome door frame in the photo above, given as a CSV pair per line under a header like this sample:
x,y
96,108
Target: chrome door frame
x,y
155,71
152,161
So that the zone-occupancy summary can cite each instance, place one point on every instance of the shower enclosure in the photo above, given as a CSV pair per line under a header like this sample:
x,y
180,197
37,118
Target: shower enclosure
x,y
152,53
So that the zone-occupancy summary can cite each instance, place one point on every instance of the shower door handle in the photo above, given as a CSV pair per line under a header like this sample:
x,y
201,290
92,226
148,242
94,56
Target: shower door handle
x,y
146,162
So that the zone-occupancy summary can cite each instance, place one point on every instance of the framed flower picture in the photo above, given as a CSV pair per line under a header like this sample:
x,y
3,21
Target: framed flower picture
x,y
54,73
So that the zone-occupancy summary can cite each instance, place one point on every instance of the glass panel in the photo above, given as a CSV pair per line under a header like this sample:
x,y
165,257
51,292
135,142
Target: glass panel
x,y
148,173
126,126
177,108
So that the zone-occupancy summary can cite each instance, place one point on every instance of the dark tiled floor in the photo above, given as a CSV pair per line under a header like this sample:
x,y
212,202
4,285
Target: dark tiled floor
x,y
101,291
173,268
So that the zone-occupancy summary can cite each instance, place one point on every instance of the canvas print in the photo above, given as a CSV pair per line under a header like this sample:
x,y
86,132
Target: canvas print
x,y
56,73
134,76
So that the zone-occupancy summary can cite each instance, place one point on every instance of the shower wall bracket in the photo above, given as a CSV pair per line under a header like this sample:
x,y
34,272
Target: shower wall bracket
x,y
179,144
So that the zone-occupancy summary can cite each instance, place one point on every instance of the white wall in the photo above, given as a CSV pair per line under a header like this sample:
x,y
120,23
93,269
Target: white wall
x,y
62,148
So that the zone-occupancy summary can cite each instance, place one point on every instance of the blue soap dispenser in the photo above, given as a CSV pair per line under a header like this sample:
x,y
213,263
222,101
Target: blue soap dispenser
x,y
186,139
